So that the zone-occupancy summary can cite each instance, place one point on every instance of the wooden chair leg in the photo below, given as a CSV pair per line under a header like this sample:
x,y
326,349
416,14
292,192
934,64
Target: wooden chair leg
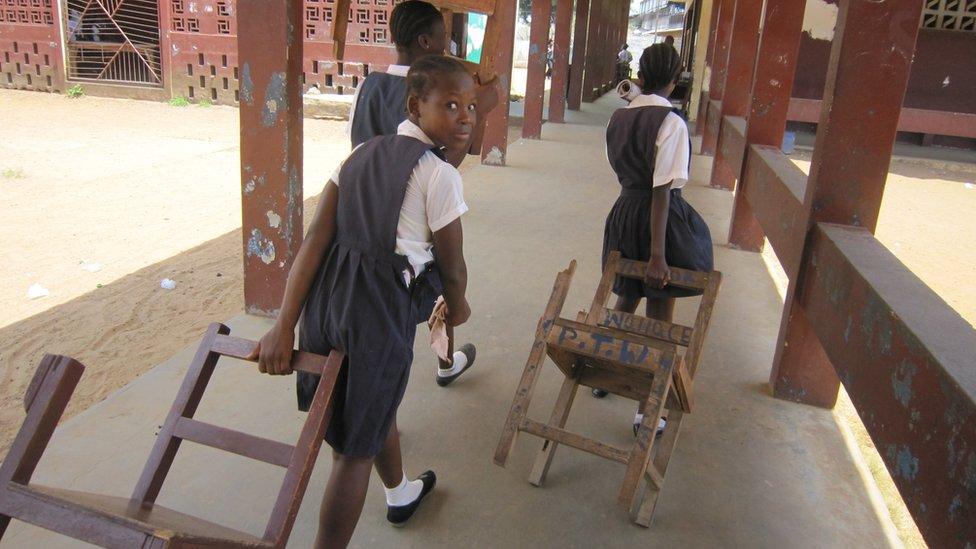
x,y
47,397
533,365
560,413
185,405
642,511
292,491
641,452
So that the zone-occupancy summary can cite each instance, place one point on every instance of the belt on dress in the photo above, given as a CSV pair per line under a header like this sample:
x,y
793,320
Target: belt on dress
x,y
626,192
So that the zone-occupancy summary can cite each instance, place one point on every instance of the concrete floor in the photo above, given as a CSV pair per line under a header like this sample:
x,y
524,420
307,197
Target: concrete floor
x,y
749,470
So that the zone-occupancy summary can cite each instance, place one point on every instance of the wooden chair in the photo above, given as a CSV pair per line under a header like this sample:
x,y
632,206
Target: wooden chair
x,y
628,355
138,521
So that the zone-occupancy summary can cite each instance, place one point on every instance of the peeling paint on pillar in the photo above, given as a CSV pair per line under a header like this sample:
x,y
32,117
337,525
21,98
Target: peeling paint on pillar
x,y
294,192
275,99
271,144
253,183
247,85
906,464
260,247
274,220
495,157
954,508
901,382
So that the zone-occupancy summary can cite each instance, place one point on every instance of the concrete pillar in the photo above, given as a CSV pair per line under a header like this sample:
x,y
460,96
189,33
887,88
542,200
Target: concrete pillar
x,y
738,85
703,61
270,54
448,15
575,95
591,72
771,90
870,59
501,30
720,57
560,61
535,84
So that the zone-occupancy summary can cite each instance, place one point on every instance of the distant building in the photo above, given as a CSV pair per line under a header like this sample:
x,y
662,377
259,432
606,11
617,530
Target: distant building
x,y
660,17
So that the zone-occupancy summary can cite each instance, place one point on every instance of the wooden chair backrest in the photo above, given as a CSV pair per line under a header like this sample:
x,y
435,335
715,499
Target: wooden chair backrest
x,y
298,459
692,338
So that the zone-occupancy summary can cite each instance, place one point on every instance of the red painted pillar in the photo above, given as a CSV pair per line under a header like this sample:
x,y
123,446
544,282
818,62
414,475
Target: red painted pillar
x,y
623,11
270,54
560,61
709,62
495,143
575,95
870,59
535,82
591,73
738,82
448,15
716,85
771,90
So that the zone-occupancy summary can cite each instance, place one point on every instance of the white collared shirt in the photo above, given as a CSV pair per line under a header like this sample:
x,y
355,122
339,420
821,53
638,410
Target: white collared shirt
x,y
434,198
395,70
671,160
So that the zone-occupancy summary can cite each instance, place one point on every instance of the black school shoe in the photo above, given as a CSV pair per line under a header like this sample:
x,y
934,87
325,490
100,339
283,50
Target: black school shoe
x,y
399,514
470,352
600,393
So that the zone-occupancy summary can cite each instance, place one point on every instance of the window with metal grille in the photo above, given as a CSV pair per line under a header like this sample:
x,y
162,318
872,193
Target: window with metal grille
x,y
949,15
115,40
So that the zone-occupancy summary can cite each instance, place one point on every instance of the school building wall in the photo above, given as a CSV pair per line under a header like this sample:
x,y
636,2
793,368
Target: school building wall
x,y
942,76
197,49
30,45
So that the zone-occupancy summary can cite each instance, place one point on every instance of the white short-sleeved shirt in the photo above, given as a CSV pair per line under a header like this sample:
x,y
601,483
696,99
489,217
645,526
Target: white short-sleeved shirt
x,y
671,161
434,198
395,70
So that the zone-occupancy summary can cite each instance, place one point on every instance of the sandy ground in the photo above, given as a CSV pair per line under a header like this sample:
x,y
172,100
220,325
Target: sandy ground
x,y
148,191
927,221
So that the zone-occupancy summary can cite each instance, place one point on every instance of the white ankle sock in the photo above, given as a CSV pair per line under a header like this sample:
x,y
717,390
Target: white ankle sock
x,y
661,422
460,361
404,494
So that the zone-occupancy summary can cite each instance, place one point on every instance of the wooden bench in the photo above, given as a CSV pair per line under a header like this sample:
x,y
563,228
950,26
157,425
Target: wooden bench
x,y
137,521
647,360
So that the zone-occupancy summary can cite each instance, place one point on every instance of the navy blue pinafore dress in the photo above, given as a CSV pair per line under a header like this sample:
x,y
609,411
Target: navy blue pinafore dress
x,y
359,301
631,137
380,107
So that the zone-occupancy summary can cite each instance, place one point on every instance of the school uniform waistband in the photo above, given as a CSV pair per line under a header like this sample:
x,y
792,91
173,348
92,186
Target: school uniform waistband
x,y
626,192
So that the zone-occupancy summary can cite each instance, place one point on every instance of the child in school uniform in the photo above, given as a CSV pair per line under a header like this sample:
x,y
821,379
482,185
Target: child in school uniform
x,y
649,150
379,106
354,283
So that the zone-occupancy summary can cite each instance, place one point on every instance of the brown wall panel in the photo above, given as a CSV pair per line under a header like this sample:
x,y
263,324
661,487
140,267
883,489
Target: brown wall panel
x,y
940,54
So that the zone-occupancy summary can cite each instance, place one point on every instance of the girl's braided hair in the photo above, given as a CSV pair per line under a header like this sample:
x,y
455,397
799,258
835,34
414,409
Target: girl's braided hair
x,y
410,19
660,65
425,71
